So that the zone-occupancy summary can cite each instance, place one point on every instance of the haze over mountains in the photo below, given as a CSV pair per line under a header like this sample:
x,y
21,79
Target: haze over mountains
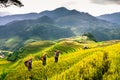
x,y
114,18
51,25
4,13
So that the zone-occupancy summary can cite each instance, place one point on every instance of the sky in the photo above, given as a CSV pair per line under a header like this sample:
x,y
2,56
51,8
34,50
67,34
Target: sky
x,y
93,7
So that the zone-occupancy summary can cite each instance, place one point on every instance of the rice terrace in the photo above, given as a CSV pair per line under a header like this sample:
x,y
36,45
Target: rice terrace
x,y
100,61
59,39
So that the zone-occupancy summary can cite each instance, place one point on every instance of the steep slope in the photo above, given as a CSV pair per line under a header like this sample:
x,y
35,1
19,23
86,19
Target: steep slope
x,y
114,18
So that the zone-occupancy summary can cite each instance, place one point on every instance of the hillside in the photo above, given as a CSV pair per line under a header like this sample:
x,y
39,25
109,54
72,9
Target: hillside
x,y
52,25
18,32
99,62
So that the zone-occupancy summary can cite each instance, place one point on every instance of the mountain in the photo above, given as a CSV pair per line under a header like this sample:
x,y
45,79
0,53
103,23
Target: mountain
x,y
55,24
19,32
6,19
114,18
81,22
28,28
62,12
57,13
54,14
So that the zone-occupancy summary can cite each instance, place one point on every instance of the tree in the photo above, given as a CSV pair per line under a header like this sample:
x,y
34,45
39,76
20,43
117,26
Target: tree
x,y
7,3
89,35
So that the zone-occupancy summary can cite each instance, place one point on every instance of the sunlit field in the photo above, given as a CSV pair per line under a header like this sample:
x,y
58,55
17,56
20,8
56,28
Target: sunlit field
x,y
101,61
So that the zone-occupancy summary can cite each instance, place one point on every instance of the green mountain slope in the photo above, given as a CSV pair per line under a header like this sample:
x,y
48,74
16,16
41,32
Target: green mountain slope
x,y
18,32
81,22
55,24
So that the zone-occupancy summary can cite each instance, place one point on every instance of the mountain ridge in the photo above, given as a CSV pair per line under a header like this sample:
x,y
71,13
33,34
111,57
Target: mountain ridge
x,y
56,24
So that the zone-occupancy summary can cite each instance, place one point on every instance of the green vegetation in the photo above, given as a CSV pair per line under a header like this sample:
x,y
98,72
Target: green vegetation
x,y
29,48
52,25
99,62
90,36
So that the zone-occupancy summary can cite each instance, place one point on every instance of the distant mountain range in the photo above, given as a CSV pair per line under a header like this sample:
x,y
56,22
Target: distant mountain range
x,y
6,19
114,18
51,25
